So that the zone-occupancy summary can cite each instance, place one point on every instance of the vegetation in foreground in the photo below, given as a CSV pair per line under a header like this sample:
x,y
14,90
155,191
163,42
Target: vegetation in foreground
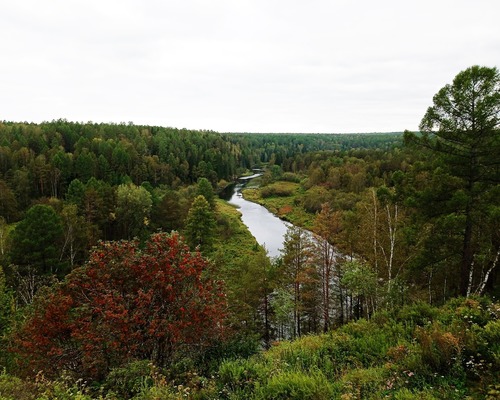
x,y
417,352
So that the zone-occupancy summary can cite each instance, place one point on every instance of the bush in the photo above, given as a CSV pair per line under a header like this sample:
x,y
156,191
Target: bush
x,y
131,379
405,394
467,311
365,383
158,392
291,177
13,388
239,346
314,198
441,349
240,375
420,314
368,342
491,335
297,385
276,190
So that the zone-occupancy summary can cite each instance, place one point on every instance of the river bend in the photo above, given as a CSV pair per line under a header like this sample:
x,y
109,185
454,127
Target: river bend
x,y
268,229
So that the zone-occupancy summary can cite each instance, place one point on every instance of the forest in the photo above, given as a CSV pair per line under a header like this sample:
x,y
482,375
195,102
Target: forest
x,y
124,274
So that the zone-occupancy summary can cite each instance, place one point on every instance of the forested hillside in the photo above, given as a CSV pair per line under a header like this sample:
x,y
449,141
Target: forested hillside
x,y
124,275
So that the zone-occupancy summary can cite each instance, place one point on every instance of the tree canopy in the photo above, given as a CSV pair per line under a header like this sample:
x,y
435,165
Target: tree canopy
x,y
35,238
462,131
126,303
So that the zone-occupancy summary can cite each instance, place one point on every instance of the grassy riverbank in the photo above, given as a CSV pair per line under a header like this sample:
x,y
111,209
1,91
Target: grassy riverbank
x,y
234,238
284,199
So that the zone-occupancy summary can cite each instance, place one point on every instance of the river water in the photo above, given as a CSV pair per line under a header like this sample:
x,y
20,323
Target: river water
x,y
268,230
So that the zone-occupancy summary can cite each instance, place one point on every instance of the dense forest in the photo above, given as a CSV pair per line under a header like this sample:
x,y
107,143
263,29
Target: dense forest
x,y
123,274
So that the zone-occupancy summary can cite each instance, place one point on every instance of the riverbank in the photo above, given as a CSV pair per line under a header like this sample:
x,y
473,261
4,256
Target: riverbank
x,y
236,241
267,228
283,199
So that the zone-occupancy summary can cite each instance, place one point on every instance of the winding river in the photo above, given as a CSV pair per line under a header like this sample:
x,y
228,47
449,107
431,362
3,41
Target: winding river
x,y
268,230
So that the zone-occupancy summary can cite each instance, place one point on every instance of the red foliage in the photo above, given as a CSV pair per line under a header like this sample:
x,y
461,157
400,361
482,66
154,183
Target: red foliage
x,y
126,303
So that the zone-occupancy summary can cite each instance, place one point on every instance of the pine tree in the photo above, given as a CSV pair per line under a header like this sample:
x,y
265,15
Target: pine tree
x,y
200,225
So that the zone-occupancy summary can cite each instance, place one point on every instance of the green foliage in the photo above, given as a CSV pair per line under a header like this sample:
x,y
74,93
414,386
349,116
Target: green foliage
x,y
365,383
130,379
373,360
380,358
359,279
314,199
420,313
13,388
441,349
460,133
35,240
491,336
287,205
291,177
406,394
200,224
169,212
402,214
299,277
8,202
7,314
206,190
249,276
280,189
296,386
133,207
240,376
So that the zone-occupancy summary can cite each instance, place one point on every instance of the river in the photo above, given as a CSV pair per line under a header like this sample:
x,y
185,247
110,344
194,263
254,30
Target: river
x,y
268,229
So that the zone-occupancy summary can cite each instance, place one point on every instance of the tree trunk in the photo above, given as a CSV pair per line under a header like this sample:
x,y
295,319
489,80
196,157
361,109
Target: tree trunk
x,y
467,254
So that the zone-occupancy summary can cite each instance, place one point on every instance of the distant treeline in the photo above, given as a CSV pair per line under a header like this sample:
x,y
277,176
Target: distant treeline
x,y
41,160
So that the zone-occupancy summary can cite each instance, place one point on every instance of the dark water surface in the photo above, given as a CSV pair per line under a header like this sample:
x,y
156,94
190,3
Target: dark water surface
x,y
268,230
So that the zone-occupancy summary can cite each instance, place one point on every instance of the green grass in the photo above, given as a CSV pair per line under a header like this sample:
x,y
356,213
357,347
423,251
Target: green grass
x,y
283,199
382,358
234,238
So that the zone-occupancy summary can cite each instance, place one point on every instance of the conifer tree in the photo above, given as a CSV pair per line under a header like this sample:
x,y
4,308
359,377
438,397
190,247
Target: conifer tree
x,y
36,239
200,224
461,131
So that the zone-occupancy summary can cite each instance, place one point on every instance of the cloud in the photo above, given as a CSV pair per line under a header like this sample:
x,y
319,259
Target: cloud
x,y
247,65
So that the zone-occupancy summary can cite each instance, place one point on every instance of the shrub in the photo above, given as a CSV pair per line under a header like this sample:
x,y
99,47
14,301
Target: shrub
x,y
365,383
129,302
276,190
420,314
368,342
467,311
297,385
240,375
406,394
315,198
238,346
12,388
408,359
440,348
131,379
491,334
291,177
158,392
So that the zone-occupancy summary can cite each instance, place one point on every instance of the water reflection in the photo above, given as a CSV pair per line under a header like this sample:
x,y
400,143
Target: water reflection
x,y
268,230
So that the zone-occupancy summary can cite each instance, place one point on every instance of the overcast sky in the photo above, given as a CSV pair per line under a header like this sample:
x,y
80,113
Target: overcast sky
x,y
239,65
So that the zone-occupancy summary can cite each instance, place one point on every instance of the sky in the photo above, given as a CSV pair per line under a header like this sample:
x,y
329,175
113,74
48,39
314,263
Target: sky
x,y
316,66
